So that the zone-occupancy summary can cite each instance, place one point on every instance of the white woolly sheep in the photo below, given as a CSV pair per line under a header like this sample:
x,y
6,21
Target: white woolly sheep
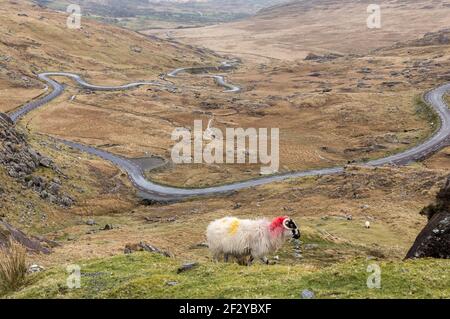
x,y
242,238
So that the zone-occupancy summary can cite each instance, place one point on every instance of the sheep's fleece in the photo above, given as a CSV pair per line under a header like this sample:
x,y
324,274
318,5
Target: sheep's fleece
x,y
257,238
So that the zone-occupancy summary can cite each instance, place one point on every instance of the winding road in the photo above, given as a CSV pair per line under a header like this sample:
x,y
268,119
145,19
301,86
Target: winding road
x,y
160,193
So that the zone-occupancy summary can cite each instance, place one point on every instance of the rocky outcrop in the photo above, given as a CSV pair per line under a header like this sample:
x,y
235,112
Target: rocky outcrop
x,y
434,239
441,37
143,246
8,233
21,162
322,58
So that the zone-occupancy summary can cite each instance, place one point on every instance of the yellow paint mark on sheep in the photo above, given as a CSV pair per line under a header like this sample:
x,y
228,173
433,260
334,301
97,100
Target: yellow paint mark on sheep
x,y
233,227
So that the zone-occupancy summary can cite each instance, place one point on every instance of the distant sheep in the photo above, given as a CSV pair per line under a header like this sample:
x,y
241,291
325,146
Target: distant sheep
x,y
242,238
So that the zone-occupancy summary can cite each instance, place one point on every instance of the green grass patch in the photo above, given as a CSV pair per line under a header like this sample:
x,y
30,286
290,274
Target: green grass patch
x,y
145,275
427,113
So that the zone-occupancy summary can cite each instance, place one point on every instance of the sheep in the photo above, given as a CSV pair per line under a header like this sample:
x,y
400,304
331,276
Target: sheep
x,y
243,238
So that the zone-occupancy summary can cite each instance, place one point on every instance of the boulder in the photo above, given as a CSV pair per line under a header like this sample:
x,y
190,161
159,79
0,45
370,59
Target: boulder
x,y
187,266
434,239
8,233
322,58
143,246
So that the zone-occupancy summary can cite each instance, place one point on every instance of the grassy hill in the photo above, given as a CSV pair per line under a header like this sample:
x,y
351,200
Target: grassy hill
x,y
145,275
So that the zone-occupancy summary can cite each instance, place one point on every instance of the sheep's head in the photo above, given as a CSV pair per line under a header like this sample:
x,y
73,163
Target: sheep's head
x,y
285,225
291,226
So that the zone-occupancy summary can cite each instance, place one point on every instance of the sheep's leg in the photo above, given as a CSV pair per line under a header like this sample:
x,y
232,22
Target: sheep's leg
x,y
216,257
226,257
265,260
242,260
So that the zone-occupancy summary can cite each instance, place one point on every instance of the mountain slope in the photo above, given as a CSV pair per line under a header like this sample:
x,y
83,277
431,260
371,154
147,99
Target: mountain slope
x,y
291,31
34,40
144,14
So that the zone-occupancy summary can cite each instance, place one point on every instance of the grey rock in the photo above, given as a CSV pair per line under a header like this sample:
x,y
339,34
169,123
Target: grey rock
x,y
8,232
46,162
434,240
171,283
90,222
54,188
143,246
66,201
307,294
187,266
52,199
152,249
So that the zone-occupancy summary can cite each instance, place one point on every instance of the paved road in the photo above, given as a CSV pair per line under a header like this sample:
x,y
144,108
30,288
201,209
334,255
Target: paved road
x,y
220,80
155,192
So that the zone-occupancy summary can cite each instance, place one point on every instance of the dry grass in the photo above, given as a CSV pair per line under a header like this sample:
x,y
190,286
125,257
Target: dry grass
x,y
35,40
12,267
318,127
291,31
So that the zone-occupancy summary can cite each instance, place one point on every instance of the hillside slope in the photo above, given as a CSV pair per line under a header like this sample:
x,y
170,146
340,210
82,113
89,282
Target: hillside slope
x,y
291,31
144,14
33,40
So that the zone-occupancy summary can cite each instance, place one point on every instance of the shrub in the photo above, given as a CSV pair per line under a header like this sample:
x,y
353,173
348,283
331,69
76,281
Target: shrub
x,y
12,266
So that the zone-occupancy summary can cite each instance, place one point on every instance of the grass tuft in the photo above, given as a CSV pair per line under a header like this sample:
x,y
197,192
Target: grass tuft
x,y
12,267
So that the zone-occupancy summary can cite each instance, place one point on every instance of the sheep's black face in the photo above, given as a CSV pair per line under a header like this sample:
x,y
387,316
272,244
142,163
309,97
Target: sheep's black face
x,y
292,226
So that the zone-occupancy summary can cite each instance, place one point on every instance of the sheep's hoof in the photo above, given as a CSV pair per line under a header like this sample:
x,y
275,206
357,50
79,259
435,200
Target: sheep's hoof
x,y
248,262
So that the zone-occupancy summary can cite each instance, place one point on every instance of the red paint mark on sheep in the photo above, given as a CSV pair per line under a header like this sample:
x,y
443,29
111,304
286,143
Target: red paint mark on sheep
x,y
276,226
